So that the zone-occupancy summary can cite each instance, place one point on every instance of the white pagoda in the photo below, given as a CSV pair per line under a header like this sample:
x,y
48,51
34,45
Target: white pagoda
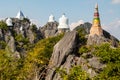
x,y
51,18
63,24
20,15
9,22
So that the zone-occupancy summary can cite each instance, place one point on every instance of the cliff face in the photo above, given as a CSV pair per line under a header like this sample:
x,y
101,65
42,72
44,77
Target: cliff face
x,y
65,54
50,29
19,36
63,51
95,39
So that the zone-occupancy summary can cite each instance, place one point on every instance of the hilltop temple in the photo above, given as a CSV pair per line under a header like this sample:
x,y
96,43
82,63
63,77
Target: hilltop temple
x,y
51,18
20,15
63,24
96,26
96,36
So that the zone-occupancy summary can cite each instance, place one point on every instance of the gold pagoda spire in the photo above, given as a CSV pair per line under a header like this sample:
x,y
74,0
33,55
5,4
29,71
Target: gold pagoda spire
x,y
96,26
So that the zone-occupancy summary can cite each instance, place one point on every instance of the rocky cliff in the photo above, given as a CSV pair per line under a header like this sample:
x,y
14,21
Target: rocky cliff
x,y
19,37
96,40
66,54
50,29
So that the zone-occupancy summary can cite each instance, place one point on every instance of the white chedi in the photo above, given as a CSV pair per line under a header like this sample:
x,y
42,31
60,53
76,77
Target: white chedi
x,y
9,22
20,15
51,18
21,28
63,22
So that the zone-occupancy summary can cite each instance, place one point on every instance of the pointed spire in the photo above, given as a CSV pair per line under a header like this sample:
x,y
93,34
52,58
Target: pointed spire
x,y
20,15
96,6
96,20
96,26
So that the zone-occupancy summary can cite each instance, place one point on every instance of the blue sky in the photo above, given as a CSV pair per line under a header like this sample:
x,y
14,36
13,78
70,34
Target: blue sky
x,y
74,9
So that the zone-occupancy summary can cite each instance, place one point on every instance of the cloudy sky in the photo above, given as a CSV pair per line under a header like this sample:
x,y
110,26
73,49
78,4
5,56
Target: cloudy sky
x,y
75,10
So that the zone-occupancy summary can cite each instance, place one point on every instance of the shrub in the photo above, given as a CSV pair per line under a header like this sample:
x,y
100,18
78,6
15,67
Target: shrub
x,y
83,49
3,25
76,73
2,44
110,56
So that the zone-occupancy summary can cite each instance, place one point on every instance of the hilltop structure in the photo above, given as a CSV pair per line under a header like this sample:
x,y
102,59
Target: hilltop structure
x,y
96,26
20,15
97,34
51,18
63,24
9,22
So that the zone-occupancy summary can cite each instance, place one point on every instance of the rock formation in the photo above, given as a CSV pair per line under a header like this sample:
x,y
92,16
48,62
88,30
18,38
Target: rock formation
x,y
65,56
50,29
18,34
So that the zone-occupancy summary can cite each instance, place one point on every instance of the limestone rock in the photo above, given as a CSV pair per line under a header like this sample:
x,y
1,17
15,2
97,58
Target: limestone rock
x,y
65,57
50,29
97,40
11,44
62,50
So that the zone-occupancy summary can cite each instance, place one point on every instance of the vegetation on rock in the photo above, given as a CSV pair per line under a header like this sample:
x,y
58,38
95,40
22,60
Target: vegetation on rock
x,y
29,67
3,25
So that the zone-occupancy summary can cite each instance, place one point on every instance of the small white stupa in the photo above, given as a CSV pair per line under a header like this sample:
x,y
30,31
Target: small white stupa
x,y
9,22
21,28
63,24
51,18
20,15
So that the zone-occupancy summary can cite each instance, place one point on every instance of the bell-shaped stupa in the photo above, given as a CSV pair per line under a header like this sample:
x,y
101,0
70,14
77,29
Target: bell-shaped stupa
x,y
20,15
63,24
96,26
9,22
51,18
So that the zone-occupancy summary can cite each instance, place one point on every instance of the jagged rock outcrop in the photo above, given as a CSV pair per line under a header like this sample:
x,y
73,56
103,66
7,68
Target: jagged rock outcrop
x,y
65,56
97,40
86,26
19,35
93,40
50,29
11,45
23,27
61,52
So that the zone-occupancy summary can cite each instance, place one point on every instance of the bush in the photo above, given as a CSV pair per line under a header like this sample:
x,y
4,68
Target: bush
x,y
83,49
2,44
76,73
110,56
82,33
107,54
3,25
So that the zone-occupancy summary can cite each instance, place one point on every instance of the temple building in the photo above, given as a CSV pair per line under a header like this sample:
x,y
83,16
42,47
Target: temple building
x,y
63,24
96,26
20,15
9,22
51,18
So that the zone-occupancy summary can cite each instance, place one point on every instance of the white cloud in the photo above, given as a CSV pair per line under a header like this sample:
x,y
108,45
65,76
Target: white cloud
x,y
116,1
113,28
75,24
